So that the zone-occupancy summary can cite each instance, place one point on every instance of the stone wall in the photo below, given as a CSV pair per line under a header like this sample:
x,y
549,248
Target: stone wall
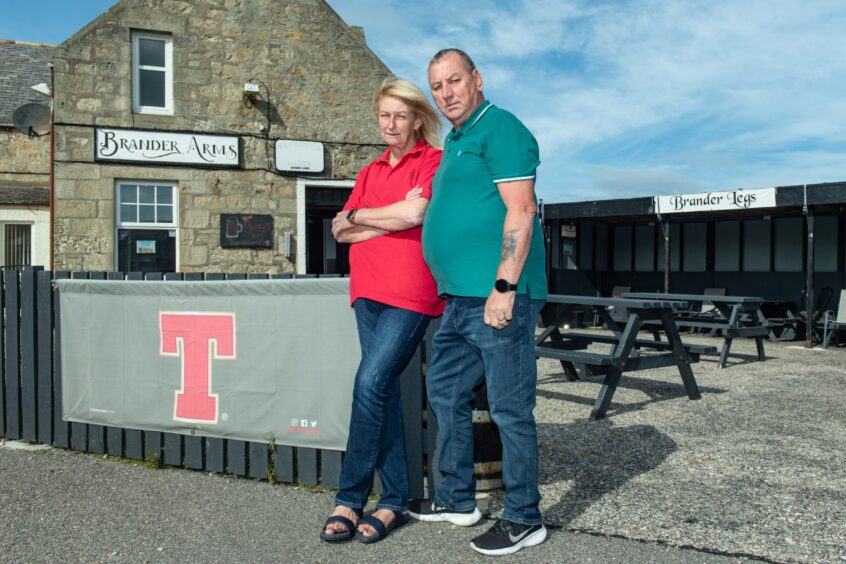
x,y
24,160
318,80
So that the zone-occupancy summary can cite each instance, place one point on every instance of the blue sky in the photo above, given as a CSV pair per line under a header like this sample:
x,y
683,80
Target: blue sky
x,y
626,98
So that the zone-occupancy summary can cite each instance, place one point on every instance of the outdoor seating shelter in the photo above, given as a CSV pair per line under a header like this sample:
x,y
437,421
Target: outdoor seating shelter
x,y
784,244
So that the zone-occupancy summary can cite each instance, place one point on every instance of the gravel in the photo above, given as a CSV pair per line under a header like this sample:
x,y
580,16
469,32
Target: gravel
x,y
757,467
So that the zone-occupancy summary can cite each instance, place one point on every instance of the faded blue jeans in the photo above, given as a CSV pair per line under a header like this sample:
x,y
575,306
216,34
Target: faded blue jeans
x,y
388,336
467,352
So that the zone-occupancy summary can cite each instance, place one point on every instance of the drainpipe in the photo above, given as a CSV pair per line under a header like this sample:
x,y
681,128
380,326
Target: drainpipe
x,y
809,280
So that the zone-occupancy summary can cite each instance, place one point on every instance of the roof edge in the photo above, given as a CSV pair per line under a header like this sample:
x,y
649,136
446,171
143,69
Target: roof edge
x,y
26,43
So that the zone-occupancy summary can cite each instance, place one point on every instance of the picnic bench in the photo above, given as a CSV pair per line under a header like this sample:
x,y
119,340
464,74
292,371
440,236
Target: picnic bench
x,y
741,316
626,349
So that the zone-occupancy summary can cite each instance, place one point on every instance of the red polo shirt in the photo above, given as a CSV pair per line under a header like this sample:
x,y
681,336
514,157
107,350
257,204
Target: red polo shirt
x,y
390,269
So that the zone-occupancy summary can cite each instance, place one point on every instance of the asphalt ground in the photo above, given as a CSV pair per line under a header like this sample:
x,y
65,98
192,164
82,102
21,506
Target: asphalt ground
x,y
753,471
62,506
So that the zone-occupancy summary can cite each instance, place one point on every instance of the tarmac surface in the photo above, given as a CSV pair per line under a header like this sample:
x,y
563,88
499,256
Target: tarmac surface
x,y
754,471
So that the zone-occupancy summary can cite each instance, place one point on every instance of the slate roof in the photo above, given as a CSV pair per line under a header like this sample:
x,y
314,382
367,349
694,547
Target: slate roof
x,y
31,196
22,65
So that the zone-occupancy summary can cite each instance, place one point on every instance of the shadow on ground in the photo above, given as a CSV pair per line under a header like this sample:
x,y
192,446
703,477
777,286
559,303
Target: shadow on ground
x,y
596,459
585,461
654,390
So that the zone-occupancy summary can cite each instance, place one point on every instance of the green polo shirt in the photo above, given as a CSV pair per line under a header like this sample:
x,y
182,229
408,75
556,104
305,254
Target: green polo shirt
x,y
462,231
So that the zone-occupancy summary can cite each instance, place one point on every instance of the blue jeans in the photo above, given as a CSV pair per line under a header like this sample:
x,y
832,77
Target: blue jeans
x,y
467,352
388,335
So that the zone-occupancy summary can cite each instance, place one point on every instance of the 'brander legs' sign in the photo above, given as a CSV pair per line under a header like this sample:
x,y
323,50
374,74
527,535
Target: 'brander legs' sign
x,y
165,147
711,201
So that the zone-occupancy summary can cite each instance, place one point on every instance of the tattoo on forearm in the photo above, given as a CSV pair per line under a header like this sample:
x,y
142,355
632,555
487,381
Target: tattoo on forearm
x,y
509,244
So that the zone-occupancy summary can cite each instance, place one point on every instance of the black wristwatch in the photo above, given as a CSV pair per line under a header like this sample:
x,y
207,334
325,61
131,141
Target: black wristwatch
x,y
503,286
351,215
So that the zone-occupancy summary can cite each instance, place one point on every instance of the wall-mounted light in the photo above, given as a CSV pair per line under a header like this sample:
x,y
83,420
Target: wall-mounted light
x,y
41,88
251,93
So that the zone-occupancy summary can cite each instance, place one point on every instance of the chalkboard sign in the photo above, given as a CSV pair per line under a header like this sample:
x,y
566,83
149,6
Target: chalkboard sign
x,y
239,230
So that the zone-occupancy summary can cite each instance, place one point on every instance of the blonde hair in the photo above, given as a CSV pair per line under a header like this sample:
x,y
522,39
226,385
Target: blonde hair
x,y
410,94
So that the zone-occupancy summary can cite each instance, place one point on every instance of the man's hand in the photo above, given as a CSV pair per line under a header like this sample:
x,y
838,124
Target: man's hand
x,y
498,309
414,193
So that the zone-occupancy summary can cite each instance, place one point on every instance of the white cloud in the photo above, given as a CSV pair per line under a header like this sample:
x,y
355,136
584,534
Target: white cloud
x,y
646,95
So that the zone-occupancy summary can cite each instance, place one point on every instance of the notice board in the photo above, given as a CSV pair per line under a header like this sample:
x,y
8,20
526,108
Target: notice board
x,y
238,230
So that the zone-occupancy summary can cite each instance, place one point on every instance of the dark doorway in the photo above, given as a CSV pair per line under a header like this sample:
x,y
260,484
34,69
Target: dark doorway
x,y
323,254
146,250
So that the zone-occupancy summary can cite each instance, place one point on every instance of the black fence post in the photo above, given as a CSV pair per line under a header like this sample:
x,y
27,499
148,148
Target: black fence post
x,y
194,446
285,458
215,448
134,438
96,433
29,382
236,451
11,281
2,358
61,428
44,355
153,439
173,442
79,431
115,439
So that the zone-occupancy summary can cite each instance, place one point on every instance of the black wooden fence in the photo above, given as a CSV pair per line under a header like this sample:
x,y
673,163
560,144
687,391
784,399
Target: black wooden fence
x,y
31,393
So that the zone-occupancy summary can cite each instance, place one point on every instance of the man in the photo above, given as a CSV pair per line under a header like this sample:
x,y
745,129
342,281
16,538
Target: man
x,y
482,241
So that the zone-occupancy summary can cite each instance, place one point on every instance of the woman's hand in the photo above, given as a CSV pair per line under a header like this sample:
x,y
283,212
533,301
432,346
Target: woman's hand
x,y
414,193
340,223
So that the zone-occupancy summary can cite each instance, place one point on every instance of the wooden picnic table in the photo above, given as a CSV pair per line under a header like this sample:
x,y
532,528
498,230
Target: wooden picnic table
x,y
569,346
741,316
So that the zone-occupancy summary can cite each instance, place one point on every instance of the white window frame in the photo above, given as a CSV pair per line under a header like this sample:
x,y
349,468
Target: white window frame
x,y
170,226
168,72
3,225
302,183
143,224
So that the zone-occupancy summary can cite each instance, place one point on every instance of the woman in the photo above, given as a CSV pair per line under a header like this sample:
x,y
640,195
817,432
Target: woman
x,y
394,297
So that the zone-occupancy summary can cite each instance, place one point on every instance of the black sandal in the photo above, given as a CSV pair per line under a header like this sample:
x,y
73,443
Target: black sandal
x,y
340,536
382,530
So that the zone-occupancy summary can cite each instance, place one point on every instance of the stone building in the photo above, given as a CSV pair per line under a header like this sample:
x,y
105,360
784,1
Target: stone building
x,y
24,158
210,135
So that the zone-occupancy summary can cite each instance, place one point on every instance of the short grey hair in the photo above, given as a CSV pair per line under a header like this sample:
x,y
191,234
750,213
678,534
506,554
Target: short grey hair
x,y
465,58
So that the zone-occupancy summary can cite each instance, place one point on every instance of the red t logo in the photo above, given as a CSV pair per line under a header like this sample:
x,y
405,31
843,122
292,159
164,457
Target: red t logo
x,y
197,338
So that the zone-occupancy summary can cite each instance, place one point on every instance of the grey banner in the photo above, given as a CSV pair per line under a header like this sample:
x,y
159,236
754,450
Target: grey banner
x,y
254,360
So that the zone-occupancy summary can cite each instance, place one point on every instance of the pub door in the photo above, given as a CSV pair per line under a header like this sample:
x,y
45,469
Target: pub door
x,y
146,250
323,254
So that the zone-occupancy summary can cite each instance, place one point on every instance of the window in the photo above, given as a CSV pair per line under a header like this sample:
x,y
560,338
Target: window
x,y
789,244
825,243
152,73
756,245
623,248
586,246
602,248
17,245
727,246
146,226
645,248
695,237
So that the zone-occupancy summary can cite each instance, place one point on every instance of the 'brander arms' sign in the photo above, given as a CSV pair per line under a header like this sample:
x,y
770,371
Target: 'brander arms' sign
x,y
713,201
166,147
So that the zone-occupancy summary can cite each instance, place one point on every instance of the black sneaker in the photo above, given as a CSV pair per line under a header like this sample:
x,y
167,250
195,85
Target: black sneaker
x,y
507,537
429,510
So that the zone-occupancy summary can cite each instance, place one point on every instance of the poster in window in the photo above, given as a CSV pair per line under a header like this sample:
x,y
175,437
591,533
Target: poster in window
x,y
246,231
145,247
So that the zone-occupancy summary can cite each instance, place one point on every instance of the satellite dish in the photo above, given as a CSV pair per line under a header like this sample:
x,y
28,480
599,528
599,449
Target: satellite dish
x,y
32,119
